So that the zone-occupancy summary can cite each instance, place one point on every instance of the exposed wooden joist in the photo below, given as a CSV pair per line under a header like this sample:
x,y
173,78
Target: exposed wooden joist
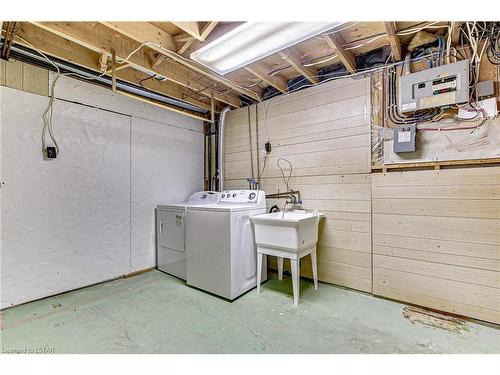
x,y
455,32
131,32
207,29
113,70
118,68
292,58
276,81
185,47
183,38
144,31
97,37
390,28
57,46
335,41
158,59
219,30
191,27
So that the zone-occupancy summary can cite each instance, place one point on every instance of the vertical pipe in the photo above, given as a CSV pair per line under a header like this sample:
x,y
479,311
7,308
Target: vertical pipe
x,y
220,150
257,140
250,138
213,141
209,156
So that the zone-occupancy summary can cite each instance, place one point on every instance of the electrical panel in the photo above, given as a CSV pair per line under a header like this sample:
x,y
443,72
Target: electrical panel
x,y
485,88
404,138
435,87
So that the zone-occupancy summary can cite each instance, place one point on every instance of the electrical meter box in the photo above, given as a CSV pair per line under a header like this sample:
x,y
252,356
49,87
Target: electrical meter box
x,y
404,138
435,87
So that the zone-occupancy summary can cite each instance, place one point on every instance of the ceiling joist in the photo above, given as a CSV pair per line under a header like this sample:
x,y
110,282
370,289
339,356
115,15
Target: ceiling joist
x,y
394,41
276,81
54,45
335,41
131,32
191,27
97,37
292,58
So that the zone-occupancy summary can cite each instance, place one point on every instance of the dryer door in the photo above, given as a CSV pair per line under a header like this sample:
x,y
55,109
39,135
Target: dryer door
x,y
171,229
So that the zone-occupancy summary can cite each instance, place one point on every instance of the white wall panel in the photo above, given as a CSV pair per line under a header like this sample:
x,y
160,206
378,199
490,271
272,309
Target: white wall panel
x,y
87,216
65,222
167,166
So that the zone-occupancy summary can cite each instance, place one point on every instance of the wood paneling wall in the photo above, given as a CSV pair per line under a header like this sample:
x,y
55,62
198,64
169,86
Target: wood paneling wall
x,y
26,77
436,239
325,133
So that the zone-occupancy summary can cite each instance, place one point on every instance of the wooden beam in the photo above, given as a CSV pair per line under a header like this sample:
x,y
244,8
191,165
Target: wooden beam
x,y
208,29
97,37
185,47
394,41
292,58
276,81
113,70
54,45
187,43
432,164
123,28
143,31
455,32
183,38
157,61
335,41
118,68
169,107
192,28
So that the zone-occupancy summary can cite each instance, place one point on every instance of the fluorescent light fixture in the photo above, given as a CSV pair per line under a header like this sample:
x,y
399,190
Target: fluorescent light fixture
x,y
253,41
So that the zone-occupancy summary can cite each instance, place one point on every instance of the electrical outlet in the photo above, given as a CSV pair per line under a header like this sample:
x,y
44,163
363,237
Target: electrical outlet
x,y
50,152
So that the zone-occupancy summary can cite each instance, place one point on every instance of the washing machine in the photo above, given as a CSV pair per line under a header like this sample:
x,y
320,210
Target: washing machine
x,y
171,231
220,246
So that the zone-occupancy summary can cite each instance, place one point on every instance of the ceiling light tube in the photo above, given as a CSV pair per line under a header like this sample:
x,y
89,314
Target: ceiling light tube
x,y
253,41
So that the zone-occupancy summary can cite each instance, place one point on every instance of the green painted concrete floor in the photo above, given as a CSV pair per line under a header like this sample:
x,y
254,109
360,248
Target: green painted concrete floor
x,y
157,313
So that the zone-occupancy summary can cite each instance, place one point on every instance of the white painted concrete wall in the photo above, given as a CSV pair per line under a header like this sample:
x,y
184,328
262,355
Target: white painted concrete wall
x,y
87,216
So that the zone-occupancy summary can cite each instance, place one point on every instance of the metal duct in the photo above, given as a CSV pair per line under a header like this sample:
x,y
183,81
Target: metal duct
x,y
220,148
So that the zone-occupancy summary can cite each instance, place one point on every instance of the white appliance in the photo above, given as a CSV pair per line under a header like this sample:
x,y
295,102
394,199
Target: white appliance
x,y
170,232
220,246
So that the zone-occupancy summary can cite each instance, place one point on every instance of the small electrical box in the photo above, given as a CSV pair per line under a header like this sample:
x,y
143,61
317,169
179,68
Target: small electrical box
x,y
435,87
404,138
485,88
51,152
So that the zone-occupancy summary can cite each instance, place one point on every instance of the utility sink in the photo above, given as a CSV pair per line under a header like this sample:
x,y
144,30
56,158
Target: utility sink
x,y
290,231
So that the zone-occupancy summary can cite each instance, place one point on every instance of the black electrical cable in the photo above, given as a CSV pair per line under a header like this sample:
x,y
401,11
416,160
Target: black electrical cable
x,y
145,79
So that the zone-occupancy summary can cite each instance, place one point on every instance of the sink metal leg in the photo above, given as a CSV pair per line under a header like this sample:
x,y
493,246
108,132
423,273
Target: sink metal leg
x,y
295,280
314,264
280,268
259,270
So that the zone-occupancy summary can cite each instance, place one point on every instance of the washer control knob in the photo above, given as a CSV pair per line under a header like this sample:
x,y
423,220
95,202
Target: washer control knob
x,y
223,195
251,196
234,195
